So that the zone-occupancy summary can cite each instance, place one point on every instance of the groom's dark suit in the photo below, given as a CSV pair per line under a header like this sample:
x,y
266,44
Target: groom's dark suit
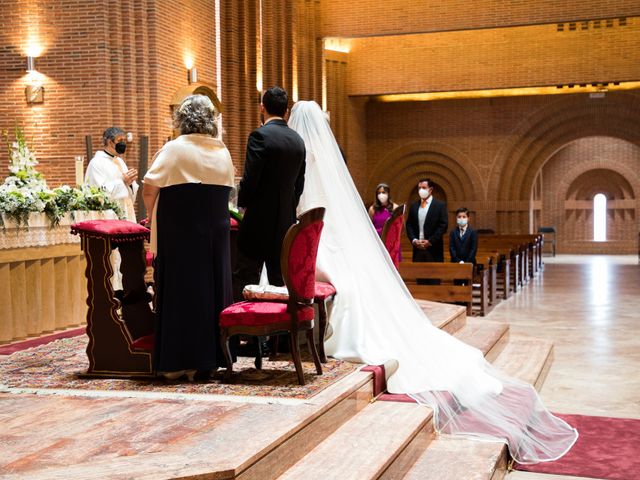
x,y
435,225
270,189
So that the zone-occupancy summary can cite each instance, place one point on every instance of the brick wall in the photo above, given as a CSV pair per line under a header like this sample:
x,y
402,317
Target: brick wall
x,y
573,176
119,62
373,17
103,63
494,58
75,64
486,154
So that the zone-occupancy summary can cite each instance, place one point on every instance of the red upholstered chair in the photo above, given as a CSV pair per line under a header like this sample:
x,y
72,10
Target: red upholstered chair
x,y
323,292
298,263
392,234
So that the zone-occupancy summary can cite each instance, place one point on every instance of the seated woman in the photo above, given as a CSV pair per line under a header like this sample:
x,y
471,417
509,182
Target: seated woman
x,y
186,191
382,207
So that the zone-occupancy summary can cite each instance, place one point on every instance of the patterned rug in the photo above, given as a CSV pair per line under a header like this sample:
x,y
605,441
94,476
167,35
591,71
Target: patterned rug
x,y
56,365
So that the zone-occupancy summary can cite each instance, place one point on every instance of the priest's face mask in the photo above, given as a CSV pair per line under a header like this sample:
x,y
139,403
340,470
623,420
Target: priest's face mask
x,y
118,144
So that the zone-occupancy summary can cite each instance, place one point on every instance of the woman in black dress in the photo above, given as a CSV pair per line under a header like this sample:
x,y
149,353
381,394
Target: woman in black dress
x,y
187,190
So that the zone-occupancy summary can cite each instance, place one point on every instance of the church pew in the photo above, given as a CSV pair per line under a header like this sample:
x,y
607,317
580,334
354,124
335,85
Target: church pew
x,y
481,291
524,247
530,246
446,273
485,278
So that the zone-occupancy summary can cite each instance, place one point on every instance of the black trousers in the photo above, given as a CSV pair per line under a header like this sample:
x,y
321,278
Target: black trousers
x,y
247,271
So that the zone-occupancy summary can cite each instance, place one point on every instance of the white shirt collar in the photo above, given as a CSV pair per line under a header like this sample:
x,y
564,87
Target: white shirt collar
x,y
273,118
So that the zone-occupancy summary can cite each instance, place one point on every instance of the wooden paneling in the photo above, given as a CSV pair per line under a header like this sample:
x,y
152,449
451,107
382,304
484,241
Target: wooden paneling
x,y
43,289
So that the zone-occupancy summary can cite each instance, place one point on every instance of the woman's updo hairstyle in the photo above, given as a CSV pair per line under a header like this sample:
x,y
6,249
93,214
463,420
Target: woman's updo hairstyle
x,y
196,114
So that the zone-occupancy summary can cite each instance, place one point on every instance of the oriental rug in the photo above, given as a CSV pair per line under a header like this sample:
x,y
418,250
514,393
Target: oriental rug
x,y
57,365
607,448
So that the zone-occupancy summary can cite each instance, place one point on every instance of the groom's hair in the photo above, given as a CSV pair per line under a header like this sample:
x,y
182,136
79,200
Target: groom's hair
x,y
275,101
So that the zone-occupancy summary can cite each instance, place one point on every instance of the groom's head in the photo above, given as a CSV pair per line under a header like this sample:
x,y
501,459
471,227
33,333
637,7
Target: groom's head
x,y
274,102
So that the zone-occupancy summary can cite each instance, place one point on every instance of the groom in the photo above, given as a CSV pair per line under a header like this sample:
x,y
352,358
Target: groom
x,y
269,192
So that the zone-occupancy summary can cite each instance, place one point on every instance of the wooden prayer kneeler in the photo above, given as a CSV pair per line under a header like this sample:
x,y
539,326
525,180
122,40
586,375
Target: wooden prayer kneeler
x,y
113,326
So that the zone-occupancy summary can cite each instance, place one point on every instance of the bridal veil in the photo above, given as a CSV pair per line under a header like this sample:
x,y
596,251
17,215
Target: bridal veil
x,y
374,319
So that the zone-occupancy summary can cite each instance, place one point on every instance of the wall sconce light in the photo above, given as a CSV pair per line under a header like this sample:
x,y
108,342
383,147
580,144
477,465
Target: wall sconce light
x,y
192,75
31,64
34,91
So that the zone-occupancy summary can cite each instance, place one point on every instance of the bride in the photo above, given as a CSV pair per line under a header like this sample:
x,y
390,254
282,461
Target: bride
x,y
375,320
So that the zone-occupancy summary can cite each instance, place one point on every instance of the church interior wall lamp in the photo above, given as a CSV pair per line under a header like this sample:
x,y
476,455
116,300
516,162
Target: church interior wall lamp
x,y
34,90
192,72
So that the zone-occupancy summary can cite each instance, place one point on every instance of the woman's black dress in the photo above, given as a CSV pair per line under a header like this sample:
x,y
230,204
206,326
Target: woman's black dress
x,y
192,274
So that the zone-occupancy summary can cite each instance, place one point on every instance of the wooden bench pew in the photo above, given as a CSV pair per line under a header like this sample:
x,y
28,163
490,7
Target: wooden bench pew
x,y
447,274
532,244
485,288
510,250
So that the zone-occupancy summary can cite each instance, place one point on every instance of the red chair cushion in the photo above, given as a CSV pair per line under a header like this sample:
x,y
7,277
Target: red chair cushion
x,y
324,290
253,314
116,230
144,343
302,260
149,258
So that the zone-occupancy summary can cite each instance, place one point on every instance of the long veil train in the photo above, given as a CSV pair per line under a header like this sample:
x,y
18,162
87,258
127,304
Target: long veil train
x,y
374,319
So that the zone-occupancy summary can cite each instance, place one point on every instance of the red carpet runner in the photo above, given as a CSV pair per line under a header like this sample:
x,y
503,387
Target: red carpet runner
x,y
34,342
608,448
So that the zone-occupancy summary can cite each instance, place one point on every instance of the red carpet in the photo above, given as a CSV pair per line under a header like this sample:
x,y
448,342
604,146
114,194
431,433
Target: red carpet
x,y
607,448
34,342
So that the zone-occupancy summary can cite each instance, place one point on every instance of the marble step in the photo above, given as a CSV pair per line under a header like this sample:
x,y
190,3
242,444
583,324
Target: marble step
x,y
454,458
488,337
444,316
381,441
526,358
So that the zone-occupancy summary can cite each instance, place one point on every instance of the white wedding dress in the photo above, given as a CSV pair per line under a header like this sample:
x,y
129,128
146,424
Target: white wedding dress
x,y
374,319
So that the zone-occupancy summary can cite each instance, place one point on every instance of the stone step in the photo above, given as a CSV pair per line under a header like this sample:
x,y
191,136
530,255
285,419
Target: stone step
x,y
488,337
526,358
444,316
455,458
381,441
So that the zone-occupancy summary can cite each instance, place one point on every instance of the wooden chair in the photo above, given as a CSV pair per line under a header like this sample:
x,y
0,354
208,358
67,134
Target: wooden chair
x,y
392,234
298,263
546,231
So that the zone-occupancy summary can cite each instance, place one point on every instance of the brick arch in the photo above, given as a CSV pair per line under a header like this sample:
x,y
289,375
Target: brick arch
x,y
539,137
629,175
446,166
600,180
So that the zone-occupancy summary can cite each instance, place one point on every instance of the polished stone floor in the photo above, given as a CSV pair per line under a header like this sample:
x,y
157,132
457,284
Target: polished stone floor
x,y
589,306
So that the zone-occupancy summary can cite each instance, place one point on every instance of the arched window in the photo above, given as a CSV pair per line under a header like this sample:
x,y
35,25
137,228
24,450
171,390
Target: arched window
x,y
600,218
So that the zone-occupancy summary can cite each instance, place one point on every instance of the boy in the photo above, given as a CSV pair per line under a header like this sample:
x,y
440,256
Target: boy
x,y
463,240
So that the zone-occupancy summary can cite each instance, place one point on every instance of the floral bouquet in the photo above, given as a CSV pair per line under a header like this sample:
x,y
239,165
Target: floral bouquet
x,y
25,191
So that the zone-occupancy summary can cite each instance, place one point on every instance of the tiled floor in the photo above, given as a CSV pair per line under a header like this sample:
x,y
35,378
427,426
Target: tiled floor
x,y
590,307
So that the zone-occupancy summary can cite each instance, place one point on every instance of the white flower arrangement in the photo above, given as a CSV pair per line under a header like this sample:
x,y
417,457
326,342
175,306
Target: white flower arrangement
x,y
25,190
